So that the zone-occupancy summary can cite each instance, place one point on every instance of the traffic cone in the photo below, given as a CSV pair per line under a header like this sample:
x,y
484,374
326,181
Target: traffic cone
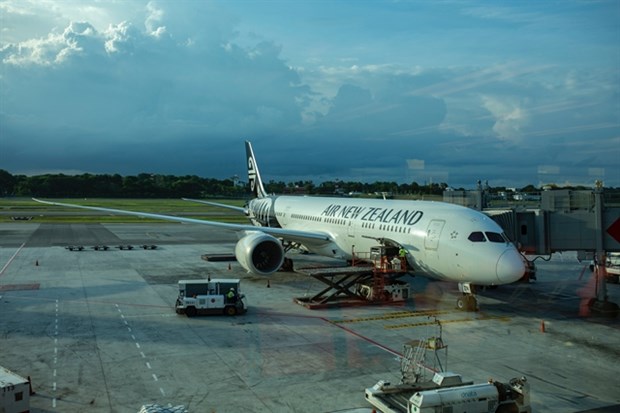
x,y
542,326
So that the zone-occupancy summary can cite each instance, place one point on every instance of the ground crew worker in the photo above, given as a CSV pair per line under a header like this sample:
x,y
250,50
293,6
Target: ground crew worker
x,y
231,295
402,254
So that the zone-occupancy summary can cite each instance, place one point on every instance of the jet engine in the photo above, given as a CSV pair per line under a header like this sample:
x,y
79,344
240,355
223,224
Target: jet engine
x,y
260,253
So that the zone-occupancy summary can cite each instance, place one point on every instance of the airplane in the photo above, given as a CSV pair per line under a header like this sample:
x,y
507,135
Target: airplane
x,y
440,240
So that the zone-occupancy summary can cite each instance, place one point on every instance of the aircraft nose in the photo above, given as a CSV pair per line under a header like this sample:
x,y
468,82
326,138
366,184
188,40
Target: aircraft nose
x,y
510,267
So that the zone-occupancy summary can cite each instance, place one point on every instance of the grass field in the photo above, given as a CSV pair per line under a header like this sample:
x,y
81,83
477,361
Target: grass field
x,y
25,207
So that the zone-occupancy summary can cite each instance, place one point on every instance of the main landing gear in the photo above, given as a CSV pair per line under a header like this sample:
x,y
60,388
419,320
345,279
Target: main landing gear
x,y
468,301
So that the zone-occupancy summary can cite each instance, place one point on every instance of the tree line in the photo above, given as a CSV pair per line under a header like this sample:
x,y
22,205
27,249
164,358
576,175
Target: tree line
x,y
146,185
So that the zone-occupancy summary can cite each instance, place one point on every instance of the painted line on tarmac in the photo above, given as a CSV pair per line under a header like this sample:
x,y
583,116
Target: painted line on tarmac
x,y
12,258
457,320
55,370
400,314
158,315
371,341
135,340
335,324
88,301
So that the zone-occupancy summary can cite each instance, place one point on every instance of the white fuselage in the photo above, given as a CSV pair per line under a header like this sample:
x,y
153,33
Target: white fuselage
x,y
443,241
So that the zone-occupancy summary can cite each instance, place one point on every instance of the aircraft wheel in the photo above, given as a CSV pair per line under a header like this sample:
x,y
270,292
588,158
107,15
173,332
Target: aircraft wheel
x,y
190,311
467,303
230,310
471,303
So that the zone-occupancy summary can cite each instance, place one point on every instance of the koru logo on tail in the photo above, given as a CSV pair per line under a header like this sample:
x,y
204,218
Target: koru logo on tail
x,y
251,174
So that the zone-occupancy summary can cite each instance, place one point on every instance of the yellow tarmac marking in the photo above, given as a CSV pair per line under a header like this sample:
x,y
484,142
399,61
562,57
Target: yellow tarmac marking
x,y
391,316
457,320
424,313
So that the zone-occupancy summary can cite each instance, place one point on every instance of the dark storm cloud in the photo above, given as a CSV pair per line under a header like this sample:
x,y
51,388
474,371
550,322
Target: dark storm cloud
x,y
175,88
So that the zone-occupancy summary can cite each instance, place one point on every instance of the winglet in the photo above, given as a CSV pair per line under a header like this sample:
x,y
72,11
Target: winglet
x,y
256,184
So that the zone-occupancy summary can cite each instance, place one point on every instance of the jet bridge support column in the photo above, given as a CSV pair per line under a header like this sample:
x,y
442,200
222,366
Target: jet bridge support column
x,y
601,305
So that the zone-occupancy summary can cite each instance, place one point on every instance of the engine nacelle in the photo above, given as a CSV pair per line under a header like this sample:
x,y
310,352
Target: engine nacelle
x,y
260,253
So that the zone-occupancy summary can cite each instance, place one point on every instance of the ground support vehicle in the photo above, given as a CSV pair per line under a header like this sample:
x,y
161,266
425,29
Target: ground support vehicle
x,y
15,392
612,267
211,296
447,392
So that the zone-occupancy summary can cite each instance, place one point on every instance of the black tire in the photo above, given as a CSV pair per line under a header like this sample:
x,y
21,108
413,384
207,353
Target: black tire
x,y
190,311
230,310
508,408
471,303
466,303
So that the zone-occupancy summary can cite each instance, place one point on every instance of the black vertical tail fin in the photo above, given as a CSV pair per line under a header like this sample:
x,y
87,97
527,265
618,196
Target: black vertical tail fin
x,y
256,184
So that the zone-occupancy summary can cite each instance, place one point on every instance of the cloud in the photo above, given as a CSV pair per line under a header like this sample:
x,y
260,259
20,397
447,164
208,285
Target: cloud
x,y
142,80
510,117
175,87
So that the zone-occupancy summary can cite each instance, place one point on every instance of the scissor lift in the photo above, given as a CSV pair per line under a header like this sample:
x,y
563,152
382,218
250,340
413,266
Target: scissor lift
x,y
371,280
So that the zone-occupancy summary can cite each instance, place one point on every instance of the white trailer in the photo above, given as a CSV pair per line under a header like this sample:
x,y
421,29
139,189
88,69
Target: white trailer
x,y
14,392
447,392
210,297
492,397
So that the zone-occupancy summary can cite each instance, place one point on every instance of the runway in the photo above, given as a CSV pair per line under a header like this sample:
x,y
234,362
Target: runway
x,y
96,330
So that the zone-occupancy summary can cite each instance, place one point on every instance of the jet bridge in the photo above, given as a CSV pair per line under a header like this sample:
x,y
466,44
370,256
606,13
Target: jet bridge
x,y
565,220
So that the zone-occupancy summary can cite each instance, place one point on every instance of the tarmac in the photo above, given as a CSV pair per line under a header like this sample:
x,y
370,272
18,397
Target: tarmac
x,y
96,330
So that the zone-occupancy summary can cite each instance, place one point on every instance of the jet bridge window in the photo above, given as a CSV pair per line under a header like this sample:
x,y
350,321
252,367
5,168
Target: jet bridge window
x,y
477,236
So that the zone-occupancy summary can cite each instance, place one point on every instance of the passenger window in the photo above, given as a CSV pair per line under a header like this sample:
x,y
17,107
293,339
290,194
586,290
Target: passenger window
x,y
495,237
476,237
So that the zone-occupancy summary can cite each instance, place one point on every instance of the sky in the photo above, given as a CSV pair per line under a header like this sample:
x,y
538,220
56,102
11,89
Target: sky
x,y
509,92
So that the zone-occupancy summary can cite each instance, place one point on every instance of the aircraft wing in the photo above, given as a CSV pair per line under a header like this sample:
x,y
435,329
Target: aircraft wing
x,y
217,204
286,234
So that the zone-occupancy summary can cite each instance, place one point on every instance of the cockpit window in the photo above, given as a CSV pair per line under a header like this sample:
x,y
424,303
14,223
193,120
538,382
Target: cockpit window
x,y
495,237
476,237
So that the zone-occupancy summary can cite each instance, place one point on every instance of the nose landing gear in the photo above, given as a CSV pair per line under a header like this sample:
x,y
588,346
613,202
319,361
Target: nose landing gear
x,y
468,301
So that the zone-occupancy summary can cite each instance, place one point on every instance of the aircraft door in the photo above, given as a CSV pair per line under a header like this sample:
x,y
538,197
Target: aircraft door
x,y
431,243
351,229
351,234
433,232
